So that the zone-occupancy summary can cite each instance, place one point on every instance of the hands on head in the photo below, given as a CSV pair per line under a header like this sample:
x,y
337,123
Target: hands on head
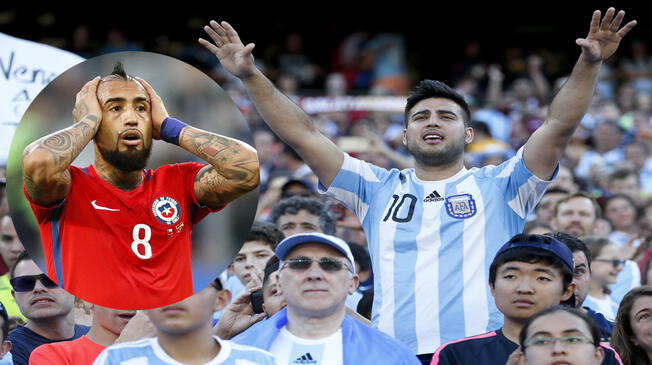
x,y
87,104
604,35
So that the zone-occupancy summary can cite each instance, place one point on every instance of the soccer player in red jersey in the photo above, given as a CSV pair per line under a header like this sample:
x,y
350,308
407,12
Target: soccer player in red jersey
x,y
114,233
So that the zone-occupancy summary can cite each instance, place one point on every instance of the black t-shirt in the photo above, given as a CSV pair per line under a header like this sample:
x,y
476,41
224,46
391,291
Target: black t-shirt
x,y
490,349
24,341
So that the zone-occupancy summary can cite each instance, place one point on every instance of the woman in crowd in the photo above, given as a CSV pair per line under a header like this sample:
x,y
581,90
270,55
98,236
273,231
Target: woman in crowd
x,y
632,336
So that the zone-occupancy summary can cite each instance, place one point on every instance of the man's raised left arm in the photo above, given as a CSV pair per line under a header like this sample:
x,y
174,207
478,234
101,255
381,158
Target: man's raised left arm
x,y
546,145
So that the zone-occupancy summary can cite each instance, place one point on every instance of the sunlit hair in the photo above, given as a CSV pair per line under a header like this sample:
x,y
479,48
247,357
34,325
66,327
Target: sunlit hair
x,y
623,334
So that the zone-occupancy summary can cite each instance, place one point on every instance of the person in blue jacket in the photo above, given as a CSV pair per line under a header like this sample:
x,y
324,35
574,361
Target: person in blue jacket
x,y
316,275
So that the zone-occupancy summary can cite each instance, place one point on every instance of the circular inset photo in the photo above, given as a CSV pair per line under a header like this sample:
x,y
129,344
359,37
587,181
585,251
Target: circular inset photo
x,y
132,180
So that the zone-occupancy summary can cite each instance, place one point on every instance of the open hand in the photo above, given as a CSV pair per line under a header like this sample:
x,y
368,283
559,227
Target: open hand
x,y
604,36
234,56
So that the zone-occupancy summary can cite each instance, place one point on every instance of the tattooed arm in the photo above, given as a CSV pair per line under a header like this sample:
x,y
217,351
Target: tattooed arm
x,y
46,160
233,170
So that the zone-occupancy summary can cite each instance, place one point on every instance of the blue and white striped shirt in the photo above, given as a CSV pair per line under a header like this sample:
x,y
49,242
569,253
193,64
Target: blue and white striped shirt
x,y
148,352
431,243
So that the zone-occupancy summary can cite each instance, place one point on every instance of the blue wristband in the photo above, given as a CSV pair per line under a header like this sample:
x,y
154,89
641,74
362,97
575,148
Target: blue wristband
x,y
171,129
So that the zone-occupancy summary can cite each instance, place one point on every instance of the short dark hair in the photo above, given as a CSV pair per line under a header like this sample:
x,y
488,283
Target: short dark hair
x,y
580,194
294,204
436,89
217,284
573,243
637,212
265,232
532,225
271,266
22,257
593,328
361,256
531,255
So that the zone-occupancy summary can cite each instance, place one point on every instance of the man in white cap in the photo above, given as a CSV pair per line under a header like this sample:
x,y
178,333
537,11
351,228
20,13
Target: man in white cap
x,y
316,275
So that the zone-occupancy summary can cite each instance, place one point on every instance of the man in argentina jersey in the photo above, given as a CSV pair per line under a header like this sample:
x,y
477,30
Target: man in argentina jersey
x,y
433,229
114,224
184,336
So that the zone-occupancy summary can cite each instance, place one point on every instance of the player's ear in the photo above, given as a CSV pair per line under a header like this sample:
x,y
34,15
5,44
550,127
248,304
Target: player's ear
x,y
222,299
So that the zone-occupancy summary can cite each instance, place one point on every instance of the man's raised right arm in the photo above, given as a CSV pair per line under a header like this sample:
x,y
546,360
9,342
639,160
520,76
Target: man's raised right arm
x,y
46,160
285,118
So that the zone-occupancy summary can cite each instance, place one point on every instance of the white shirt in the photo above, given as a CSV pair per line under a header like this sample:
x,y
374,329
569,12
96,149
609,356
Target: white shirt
x,y
292,350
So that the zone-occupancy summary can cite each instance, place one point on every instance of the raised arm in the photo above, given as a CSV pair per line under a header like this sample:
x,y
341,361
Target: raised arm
x,y
233,169
546,145
46,160
285,118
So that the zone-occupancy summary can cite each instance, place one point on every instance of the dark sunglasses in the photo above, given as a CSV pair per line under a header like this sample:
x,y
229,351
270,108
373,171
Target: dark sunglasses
x,y
325,263
614,262
27,282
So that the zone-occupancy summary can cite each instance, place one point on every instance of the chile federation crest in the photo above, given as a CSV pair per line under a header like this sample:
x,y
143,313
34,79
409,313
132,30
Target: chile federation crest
x,y
166,210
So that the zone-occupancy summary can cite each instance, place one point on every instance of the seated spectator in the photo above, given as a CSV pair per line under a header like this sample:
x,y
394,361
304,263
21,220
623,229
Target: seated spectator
x,y
536,227
625,181
605,266
105,329
300,215
621,211
184,335
545,210
316,275
631,333
529,273
5,355
48,309
582,280
577,334
258,247
10,250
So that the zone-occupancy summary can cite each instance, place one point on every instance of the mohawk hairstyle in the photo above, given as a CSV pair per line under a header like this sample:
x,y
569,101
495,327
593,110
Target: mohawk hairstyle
x,y
119,71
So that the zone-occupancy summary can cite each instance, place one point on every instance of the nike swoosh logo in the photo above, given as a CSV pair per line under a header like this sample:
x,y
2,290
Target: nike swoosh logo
x,y
99,207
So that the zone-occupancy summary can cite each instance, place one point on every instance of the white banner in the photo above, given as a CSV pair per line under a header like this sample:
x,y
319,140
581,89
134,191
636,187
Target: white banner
x,y
25,69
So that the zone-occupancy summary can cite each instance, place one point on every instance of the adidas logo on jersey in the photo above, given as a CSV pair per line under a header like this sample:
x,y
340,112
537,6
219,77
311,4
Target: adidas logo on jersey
x,y
305,359
433,197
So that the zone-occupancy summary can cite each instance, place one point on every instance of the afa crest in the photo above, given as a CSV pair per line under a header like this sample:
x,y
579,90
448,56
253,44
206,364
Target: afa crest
x,y
461,206
166,210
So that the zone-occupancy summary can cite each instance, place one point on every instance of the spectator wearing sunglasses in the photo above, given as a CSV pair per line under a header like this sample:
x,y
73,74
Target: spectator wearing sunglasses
x,y
315,277
607,263
529,273
48,309
560,335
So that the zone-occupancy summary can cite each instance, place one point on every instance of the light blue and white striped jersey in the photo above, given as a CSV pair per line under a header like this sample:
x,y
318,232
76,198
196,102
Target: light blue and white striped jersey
x,y
148,352
431,243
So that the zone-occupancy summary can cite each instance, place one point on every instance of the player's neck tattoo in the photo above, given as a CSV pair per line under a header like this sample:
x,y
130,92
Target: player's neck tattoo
x,y
125,181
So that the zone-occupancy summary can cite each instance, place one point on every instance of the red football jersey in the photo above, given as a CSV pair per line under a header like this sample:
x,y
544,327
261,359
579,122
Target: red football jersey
x,y
124,250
